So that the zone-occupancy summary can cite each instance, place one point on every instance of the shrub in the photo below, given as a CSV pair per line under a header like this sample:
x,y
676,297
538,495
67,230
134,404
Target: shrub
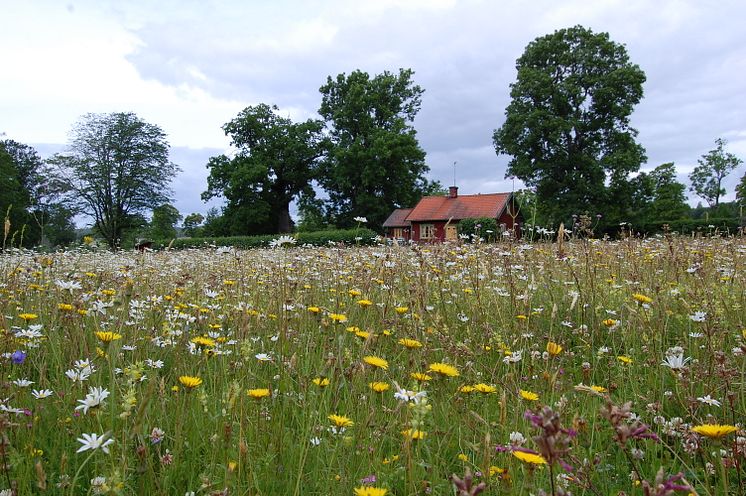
x,y
483,227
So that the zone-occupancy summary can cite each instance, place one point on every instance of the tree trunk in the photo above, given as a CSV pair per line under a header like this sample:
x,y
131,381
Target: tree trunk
x,y
283,219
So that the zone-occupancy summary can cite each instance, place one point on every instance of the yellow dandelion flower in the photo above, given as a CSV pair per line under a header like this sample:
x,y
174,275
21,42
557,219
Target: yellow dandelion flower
x,y
521,317
314,309
484,388
532,458
387,332
443,369
414,434
370,491
82,311
466,388
107,336
401,310
258,393
189,381
354,292
641,298
321,381
338,317
714,430
553,348
528,395
341,420
376,362
362,334
599,389
364,303
229,282
609,322
108,292
420,376
28,316
379,387
463,457
203,341
410,343
624,359
65,307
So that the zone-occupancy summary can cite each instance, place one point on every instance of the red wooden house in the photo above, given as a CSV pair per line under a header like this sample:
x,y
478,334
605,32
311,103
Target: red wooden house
x,y
436,218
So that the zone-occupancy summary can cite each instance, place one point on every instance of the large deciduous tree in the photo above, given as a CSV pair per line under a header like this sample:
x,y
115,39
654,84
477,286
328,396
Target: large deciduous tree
x,y
707,177
116,168
375,163
567,126
275,162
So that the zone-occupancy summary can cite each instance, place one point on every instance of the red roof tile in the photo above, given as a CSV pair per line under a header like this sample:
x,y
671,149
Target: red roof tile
x,y
398,218
461,207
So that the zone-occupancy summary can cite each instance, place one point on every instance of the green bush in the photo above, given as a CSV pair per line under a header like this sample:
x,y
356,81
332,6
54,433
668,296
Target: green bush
x,y
687,226
483,227
315,238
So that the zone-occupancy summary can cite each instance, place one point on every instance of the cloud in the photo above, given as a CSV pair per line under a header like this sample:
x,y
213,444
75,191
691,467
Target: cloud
x,y
190,66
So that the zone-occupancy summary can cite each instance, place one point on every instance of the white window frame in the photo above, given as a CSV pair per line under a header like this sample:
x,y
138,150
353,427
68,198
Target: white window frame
x,y
427,231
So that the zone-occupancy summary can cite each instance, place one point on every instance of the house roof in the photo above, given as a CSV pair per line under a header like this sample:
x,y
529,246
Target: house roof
x,y
462,207
398,218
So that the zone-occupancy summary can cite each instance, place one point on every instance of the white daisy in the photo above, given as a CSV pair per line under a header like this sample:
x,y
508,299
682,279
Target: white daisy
x,y
94,442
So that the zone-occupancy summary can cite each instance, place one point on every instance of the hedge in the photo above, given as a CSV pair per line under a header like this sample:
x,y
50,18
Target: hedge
x,y
316,238
688,226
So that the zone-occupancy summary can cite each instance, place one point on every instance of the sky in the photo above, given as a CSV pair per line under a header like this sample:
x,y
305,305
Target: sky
x,y
191,66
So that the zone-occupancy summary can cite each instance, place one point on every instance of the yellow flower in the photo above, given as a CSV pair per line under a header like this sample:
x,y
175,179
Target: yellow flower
x,y
107,336
624,359
553,348
609,322
321,381
362,334
379,387
484,388
314,309
528,395
203,341
65,307
401,310
364,303
463,457
641,298
415,434
443,369
258,393
109,292
229,282
497,471
189,381
338,317
714,430
28,316
532,458
376,362
466,388
370,491
341,420
599,389
354,292
420,376
410,343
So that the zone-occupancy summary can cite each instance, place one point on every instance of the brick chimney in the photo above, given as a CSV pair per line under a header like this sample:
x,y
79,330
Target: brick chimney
x,y
452,191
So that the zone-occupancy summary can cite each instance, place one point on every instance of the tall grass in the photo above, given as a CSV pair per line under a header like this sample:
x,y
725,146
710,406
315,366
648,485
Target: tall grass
x,y
515,321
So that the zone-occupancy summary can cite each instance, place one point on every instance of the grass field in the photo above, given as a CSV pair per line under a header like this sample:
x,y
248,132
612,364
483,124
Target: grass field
x,y
593,368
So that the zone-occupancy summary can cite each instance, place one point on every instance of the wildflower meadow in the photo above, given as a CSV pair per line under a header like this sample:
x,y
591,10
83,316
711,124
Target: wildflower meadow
x,y
594,367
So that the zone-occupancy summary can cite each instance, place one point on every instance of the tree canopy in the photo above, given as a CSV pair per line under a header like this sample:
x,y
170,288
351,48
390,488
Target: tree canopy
x,y
714,166
567,126
274,165
374,163
116,168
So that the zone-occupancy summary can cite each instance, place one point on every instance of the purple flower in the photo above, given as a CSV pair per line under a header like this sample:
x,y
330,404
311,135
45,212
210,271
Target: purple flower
x,y
18,357
371,479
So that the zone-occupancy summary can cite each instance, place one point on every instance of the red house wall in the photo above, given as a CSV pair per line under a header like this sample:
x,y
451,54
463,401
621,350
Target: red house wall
x,y
440,231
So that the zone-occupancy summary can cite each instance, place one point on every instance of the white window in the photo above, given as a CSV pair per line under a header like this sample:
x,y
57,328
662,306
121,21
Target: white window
x,y
427,231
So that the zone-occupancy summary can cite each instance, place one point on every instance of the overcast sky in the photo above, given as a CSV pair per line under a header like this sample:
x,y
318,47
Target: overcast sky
x,y
191,66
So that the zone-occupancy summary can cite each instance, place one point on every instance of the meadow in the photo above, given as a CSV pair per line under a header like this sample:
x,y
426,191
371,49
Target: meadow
x,y
597,367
